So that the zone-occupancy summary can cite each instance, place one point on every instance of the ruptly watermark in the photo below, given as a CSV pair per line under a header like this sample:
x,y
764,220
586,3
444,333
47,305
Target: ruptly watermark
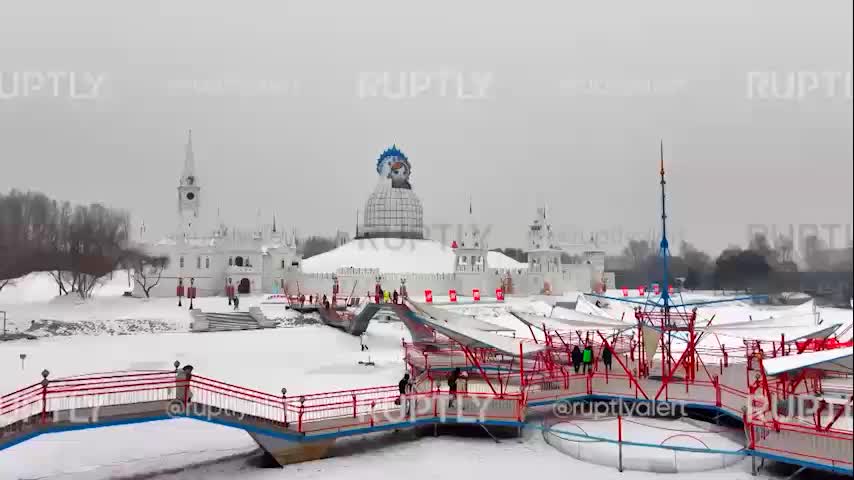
x,y
800,407
611,408
442,83
571,236
460,408
51,84
622,88
447,234
234,87
803,236
799,86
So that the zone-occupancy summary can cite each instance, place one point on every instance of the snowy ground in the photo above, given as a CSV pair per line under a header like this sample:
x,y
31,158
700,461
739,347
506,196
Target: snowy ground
x,y
305,359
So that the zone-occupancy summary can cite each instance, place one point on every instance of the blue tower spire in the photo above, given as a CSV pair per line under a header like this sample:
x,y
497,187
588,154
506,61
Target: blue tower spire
x,y
664,246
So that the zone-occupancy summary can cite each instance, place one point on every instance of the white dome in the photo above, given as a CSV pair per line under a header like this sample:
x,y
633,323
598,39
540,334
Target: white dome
x,y
392,212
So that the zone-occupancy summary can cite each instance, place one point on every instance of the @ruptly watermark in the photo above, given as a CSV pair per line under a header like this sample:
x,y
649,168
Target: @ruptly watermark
x,y
797,86
51,84
442,83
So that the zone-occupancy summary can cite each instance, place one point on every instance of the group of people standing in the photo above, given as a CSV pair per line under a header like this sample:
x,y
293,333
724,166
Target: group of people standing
x,y
583,359
384,296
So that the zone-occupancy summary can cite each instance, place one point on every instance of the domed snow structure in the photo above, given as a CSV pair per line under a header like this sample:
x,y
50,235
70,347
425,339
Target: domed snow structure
x,y
393,210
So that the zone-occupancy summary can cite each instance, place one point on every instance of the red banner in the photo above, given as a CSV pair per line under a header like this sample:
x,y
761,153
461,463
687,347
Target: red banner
x,y
670,288
499,294
625,292
475,294
452,295
656,289
641,290
179,291
428,296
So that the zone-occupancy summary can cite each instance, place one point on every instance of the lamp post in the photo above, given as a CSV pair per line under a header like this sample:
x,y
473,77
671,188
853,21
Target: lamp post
x,y
192,292
285,406
179,291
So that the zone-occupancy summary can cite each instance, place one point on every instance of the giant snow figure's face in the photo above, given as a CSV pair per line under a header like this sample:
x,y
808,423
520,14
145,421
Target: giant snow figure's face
x,y
399,174
397,170
394,165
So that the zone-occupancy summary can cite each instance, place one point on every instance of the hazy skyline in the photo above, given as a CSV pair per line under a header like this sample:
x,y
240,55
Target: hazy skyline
x,y
521,105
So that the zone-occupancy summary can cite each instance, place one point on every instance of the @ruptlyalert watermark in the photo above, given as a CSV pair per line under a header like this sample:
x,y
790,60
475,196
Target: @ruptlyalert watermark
x,y
799,86
51,84
611,408
442,83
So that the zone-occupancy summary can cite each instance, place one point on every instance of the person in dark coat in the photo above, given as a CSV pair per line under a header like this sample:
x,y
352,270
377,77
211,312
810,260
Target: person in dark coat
x,y
394,297
606,358
404,386
452,386
236,302
575,356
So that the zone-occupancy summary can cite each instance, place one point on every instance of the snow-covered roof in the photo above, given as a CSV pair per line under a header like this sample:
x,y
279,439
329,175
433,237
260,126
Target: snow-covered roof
x,y
475,338
396,255
836,360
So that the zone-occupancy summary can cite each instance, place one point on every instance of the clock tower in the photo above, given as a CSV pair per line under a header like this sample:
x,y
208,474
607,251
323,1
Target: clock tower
x,y
188,193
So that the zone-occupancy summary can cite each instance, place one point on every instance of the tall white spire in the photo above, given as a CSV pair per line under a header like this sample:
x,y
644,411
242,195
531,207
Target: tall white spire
x,y
189,162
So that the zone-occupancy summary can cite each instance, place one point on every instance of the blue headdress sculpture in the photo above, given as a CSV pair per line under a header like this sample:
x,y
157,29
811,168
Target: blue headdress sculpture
x,y
394,164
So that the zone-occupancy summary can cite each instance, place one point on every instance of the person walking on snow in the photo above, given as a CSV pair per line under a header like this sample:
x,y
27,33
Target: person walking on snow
x,y
587,358
575,356
394,297
236,301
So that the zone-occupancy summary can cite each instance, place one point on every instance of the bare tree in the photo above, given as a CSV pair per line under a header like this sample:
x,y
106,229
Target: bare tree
x,y
147,273
5,283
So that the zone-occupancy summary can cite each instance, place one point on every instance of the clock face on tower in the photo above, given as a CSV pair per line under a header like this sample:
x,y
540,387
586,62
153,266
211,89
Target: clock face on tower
x,y
191,195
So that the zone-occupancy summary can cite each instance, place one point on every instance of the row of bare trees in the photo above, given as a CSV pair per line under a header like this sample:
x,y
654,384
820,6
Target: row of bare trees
x,y
78,245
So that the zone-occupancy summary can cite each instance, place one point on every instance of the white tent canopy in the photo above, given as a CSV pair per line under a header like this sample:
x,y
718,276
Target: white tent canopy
x,y
472,337
836,360
458,319
563,324
775,332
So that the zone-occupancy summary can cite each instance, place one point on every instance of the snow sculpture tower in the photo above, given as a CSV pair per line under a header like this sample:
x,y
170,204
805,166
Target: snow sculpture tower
x,y
393,210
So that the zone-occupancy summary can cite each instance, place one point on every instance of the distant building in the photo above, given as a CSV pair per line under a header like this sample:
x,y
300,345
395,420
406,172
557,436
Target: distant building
x,y
389,248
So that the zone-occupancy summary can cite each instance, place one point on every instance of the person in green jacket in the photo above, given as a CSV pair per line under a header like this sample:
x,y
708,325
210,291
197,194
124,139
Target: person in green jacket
x,y
587,358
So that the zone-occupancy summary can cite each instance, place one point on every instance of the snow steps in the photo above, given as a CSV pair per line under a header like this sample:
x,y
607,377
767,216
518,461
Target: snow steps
x,y
225,321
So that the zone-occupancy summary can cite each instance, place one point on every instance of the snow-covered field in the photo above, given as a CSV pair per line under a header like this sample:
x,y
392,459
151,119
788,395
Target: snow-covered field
x,y
309,358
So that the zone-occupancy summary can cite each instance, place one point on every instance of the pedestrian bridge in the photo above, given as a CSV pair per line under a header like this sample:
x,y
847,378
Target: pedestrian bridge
x,y
300,428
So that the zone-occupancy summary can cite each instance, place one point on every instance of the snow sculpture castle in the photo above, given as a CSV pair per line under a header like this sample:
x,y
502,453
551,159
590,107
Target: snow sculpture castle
x,y
389,247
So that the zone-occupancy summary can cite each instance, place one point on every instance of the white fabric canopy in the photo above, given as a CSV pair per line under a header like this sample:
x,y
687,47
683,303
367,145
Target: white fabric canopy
x,y
562,324
774,333
471,337
836,360
458,319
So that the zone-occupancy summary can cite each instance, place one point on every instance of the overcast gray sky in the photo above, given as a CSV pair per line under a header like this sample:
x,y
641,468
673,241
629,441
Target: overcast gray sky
x,y
571,99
